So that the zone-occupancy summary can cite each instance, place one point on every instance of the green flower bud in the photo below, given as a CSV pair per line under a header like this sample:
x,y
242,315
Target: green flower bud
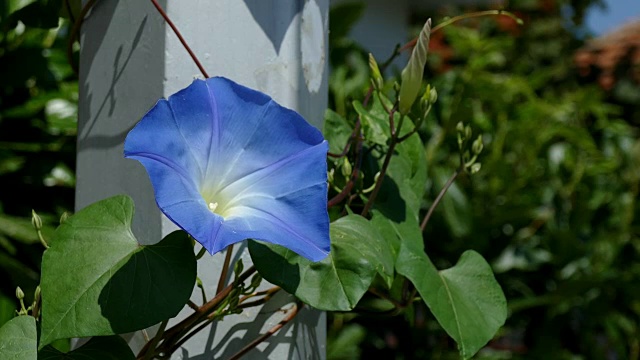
x,y
36,221
396,87
19,293
256,280
412,74
460,127
467,132
36,294
424,100
346,168
238,267
475,168
64,217
376,76
433,95
477,145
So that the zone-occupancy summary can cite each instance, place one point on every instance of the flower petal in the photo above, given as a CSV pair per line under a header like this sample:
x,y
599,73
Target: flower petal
x,y
256,132
217,141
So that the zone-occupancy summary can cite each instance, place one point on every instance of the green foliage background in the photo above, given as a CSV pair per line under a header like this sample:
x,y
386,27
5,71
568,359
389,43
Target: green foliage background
x,y
553,208
38,107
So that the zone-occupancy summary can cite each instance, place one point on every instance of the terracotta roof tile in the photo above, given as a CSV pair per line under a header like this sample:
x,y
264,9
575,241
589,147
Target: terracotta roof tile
x,y
605,53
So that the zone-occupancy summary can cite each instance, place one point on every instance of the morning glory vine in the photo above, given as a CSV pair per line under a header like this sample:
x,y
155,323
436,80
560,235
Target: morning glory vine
x,y
330,217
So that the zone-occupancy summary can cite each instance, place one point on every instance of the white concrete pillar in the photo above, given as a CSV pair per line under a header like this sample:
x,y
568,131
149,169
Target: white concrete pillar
x,y
130,58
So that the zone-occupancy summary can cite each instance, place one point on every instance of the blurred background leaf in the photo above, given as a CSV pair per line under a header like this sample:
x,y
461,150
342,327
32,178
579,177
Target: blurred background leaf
x,y
38,109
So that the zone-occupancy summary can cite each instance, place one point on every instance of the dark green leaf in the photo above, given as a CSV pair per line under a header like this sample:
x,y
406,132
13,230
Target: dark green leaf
x,y
41,14
19,339
98,348
338,282
97,279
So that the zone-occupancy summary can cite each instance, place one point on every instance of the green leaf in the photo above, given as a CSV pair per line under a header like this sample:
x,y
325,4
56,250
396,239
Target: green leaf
x,y
19,339
336,130
412,73
98,348
338,282
396,228
466,299
373,123
396,210
97,279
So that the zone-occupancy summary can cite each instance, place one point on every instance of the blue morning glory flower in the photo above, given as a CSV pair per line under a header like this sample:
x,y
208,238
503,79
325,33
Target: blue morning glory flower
x,y
227,163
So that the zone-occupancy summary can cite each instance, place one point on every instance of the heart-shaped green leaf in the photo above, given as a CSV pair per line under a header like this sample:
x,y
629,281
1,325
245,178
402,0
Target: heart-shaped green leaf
x,y
338,282
19,339
98,348
97,279
466,299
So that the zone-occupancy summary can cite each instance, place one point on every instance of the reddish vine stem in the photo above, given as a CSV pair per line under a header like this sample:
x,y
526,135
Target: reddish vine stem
x,y
77,24
385,164
438,199
179,35
201,313
454,19
269,292
225,268
356,169
292,314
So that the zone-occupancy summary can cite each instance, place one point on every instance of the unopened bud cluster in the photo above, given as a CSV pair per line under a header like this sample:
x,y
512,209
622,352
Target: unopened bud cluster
x,y
465,134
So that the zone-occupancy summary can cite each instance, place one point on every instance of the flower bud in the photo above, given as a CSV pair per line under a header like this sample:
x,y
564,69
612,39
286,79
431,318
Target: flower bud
x,y
468,132
376,76
460,127
256,280
433,95
424,100
346,168
475,168
36,221
412,74
64,217
477,145
330,176
238,267
19,293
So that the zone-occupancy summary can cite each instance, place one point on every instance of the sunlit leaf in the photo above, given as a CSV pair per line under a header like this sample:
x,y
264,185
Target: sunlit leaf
x,y
97,279
338,282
